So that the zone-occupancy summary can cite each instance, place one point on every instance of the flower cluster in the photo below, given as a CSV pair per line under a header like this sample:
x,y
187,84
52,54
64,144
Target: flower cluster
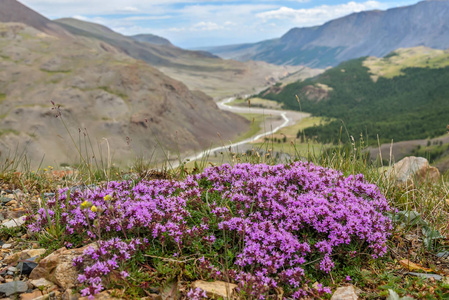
x,y
280,216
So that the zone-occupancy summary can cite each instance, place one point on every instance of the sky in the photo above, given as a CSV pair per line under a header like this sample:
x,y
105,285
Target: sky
x,y
195,24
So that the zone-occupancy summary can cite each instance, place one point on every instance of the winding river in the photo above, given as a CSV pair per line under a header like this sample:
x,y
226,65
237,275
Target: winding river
x,y
285,118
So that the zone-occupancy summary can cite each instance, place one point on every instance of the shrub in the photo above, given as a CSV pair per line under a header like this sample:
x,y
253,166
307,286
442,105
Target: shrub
x,y
261,226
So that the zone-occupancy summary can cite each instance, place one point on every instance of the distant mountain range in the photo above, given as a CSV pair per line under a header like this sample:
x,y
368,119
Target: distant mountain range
x,y
368,33
219,77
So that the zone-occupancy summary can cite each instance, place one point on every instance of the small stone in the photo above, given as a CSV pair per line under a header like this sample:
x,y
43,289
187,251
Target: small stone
x,y
444,254
345,293
15,222
11,203
216,289
29,296
49,195
22,255
26,267
41,282
426,276
18,192
14,287
4,200
6,246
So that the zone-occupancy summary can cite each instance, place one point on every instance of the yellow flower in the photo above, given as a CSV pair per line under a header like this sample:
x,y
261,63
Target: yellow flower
x,y
107,198
86,204
93,208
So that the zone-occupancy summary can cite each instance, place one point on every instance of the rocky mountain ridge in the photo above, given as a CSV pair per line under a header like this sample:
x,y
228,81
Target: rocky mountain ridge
x,y
367,33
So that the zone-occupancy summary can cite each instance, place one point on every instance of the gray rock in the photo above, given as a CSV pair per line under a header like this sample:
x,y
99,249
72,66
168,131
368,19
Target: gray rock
x,y
5,200
427,276
49,195
15,222
444,254
13,287
26,267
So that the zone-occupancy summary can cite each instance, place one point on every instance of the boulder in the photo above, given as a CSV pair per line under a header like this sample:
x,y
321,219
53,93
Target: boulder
x,y
345,293
412,169
216,289
58,267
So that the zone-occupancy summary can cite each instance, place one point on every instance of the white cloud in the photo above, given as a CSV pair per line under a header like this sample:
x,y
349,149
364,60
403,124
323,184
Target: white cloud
x,y
203,26
206,26
130,9
317,15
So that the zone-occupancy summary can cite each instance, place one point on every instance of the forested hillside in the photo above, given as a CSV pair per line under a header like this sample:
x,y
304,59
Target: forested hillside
x,y
413,105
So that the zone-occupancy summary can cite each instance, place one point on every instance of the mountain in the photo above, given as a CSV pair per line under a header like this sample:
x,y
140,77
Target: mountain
x,y
219,77
403,96
152,39
368,33
14,11
122,106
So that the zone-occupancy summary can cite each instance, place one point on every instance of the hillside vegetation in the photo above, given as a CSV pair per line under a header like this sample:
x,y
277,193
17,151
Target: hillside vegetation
x,y
373,97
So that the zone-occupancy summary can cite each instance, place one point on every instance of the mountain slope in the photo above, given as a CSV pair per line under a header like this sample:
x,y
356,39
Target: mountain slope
x,y
14,11
134,106
152,39
368,33
373,96
218,77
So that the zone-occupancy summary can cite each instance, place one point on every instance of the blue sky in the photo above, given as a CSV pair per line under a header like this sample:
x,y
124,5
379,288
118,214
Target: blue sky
x,y
191,24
